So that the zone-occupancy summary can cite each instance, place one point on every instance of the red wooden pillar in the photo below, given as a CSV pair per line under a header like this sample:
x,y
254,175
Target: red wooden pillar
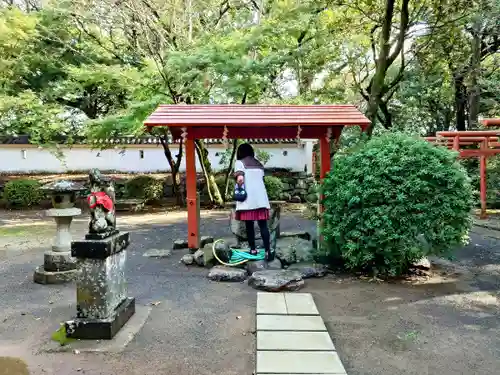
x,y
192,195
325,161
482,180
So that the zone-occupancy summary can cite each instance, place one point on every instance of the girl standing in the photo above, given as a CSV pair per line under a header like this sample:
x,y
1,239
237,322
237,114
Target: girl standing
x,y
250,172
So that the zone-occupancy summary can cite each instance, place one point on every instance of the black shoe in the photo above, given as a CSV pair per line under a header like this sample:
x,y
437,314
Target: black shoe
x,y
269,256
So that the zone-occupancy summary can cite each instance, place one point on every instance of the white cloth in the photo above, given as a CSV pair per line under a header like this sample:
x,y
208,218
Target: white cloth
x,y
254,186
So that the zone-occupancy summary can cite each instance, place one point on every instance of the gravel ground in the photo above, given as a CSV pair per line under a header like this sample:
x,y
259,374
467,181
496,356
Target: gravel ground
x,y
447,325
199,327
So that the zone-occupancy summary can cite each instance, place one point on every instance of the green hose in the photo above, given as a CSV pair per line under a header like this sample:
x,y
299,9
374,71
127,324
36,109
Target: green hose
x,y
239,256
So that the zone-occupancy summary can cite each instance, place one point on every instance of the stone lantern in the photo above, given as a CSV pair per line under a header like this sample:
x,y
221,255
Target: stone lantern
x,y
58,265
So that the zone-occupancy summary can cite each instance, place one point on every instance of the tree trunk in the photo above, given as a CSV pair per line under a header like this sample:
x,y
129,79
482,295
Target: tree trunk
x,y
460,102
174,167
211,184
377,87
381,66
227,176
474,90
204,170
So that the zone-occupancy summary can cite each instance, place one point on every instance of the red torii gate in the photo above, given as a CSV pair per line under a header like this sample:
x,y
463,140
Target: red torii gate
x,y
489,145
191,122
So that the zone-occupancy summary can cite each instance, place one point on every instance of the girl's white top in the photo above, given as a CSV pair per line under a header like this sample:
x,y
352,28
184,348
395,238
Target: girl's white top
x,y
254,186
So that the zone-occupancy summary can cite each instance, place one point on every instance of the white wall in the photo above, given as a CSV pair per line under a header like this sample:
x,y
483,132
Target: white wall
x,y
28,159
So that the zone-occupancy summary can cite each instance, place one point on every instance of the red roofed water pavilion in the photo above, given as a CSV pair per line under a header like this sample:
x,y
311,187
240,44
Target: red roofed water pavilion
x,y
191,122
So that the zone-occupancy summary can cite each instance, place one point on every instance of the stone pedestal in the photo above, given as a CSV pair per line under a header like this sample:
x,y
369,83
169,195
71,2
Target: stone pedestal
x,y
58,264
103,306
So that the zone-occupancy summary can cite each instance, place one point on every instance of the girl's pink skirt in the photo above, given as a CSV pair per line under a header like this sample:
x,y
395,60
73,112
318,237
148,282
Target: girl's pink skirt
x,y
252,215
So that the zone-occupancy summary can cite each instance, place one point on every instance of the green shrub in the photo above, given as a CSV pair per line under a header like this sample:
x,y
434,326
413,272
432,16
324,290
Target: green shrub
x,y
274,187
22,193
144,187
393,201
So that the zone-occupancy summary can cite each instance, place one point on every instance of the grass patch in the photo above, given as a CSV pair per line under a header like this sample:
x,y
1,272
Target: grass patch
x,y
19,231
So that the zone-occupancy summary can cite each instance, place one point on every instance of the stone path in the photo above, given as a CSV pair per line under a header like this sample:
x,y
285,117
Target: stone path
x,y
292,337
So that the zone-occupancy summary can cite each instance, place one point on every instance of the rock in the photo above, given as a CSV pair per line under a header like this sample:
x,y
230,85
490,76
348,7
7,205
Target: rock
x,y
223,251
423,264
187,259
199,258
291,250
274,265
261,265
157,253
309,269
225,273
180,244
301,184
276,280
295,199
206,240
303,235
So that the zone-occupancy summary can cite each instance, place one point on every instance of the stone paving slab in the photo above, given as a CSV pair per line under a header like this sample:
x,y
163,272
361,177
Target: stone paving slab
x,y
295,362
300,304
290,323
286,340
271,303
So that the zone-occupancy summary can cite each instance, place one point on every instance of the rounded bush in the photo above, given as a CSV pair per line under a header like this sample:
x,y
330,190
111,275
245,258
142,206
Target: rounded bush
x,y
22,193
274,187
392,201
144,187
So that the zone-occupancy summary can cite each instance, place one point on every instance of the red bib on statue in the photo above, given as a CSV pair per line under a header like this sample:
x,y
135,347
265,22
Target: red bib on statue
x,y
102,199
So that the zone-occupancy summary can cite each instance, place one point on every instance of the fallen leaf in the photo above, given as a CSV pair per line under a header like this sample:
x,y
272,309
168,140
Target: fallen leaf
x,y
155,303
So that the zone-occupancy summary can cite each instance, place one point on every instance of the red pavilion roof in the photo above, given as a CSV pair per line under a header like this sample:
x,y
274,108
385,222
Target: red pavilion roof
x,y
233,115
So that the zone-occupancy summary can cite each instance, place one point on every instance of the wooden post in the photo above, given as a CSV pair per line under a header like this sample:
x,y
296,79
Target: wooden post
x,y
325,162
482,180
192,201
324,149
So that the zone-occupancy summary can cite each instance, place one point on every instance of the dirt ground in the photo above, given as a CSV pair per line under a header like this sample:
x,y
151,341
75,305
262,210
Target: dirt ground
x,y
446,325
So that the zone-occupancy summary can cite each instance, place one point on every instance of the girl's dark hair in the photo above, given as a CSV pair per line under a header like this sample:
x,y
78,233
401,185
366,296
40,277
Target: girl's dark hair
x,y
245,150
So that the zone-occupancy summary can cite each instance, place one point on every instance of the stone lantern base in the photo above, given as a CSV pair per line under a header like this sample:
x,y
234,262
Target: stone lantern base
x,y
42,276
58,265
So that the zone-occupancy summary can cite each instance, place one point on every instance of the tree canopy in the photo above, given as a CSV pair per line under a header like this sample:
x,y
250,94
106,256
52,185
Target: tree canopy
x,y
98,68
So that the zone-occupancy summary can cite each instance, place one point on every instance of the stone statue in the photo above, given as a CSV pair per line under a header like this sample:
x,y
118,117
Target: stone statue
x,y
101,202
